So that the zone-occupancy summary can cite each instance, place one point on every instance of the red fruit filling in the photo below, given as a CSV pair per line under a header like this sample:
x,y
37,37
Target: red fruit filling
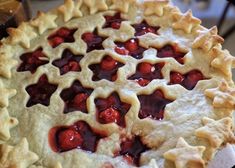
x,y
131,149
40,93
75,97
147,72
106,69
68,62
143,28
79,135
31,61
130,47
111,110
153,105
63,35
171,51
93,41
113,21
188,80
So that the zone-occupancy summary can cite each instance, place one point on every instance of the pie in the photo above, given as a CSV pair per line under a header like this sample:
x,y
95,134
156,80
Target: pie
x,y
114,84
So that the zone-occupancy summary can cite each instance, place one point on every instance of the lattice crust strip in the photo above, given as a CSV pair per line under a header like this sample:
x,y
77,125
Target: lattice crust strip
x,y
148,36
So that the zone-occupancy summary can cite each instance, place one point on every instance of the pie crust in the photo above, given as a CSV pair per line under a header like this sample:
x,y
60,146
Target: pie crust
x,y
188,86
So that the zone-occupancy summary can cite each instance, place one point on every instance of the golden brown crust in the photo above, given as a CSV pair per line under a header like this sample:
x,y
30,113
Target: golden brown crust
x,y
183,155
23,34
217,132
223,61
223,96
44,22
6,123
207,39
185,22
6,64
18,156
70,9
122,5
154,7
5,95
96,5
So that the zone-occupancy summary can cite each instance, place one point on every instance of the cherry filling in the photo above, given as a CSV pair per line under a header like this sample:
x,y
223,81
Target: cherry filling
x,y
153,105
188,80
41,92
107,69
79,135
130,47
147,72
143,28
75,97
171,51
113,21
131,149
63,35
111,110
68,62
93,41
31,61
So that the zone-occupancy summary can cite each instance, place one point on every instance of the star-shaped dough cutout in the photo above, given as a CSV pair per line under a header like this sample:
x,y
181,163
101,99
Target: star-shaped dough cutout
x,y
18,156
223,96
185,22
22,35
122,5
185,154
217,132
5,95
6,64
96,5
152,7
223,61
6,123
44,22
207,39
71,9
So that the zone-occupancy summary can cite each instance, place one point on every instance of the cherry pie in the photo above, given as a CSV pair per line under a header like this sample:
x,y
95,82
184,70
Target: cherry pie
x,y
114,84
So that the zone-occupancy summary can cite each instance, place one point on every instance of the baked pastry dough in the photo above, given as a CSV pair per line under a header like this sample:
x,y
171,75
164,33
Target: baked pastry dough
x,y
114,83
184,155
216,131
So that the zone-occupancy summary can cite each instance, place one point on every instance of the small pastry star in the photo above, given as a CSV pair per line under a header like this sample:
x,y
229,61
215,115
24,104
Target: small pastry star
x,y
96,5
152,7
122,5
44,22
6,123
6,64
217,132
71,9
23,34
223,96
18,156
5,95
223,61
186,22
184,154
207,39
